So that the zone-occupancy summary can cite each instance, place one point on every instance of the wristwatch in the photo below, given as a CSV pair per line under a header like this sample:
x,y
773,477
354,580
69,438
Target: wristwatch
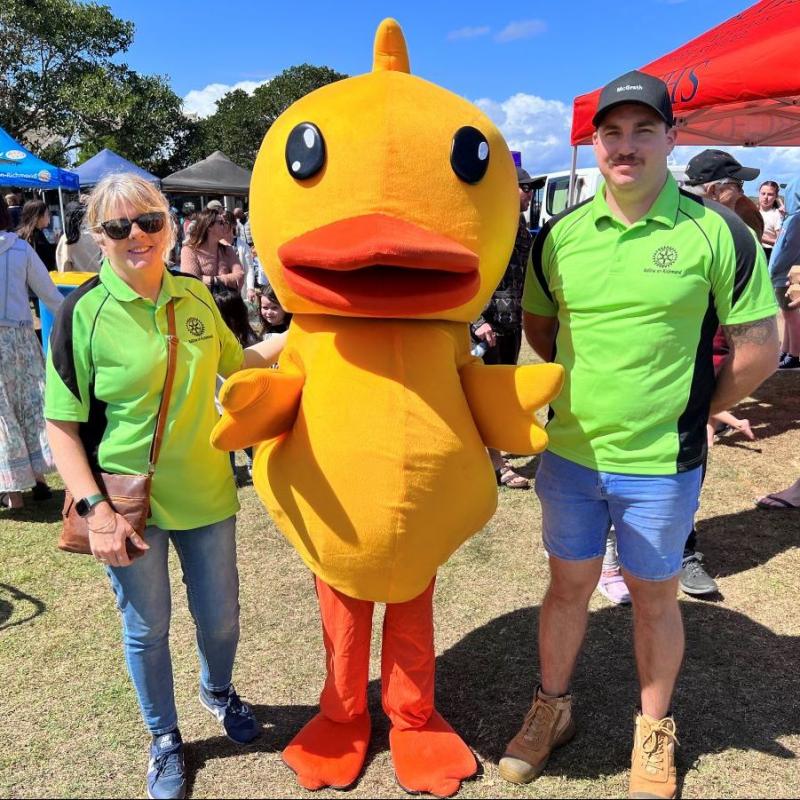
x,y
86,504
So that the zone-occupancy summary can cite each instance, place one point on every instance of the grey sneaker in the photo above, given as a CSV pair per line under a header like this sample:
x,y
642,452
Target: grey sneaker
x,y
694,580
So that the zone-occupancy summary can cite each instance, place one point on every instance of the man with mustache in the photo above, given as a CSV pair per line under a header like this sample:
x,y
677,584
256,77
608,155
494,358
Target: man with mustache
x,y
626,291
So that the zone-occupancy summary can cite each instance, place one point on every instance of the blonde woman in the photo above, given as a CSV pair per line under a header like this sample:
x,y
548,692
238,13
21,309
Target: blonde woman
x,y
105,373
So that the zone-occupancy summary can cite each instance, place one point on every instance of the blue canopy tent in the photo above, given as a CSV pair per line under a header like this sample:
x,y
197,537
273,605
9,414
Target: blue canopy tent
x,y
22,169
107,162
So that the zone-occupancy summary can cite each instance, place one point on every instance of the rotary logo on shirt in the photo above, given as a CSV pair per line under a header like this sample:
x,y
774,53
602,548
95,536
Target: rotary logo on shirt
x,y
196,328
663,260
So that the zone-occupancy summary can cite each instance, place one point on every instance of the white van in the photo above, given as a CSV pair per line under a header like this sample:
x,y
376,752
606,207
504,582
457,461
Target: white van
x,y
550,191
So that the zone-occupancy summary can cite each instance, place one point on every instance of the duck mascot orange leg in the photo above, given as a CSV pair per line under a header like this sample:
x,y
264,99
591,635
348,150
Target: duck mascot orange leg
x,y
384,210
329,751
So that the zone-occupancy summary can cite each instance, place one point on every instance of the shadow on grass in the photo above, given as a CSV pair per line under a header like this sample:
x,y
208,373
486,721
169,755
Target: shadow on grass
x,y
17,607
733,543
737,690
773,409
44,511
280,724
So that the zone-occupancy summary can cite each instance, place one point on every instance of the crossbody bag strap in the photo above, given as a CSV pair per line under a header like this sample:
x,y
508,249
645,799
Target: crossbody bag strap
x,y
163,408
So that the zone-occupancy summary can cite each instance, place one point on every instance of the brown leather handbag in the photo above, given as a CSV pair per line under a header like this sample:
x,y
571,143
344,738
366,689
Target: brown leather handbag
x,y
128,495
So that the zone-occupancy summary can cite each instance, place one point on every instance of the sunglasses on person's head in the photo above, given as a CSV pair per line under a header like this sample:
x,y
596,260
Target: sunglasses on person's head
x,y
526,187
151,222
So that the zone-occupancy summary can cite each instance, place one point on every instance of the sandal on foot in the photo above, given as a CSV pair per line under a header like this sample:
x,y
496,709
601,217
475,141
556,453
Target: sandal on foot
x,y
772,501
507,477
7,500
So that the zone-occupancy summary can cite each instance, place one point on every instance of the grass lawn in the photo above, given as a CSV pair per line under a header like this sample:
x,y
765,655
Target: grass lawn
x,y
70,725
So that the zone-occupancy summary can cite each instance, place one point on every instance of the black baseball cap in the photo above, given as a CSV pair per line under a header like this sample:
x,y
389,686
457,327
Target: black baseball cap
x,y
635,87
523,176
714,165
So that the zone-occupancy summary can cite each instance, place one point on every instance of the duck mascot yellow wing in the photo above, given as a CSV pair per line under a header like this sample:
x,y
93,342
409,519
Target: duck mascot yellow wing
x,y
384,209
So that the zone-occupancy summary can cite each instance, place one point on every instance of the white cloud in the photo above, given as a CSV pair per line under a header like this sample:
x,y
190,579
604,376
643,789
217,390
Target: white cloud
x,y
468,32
203,102
522,29
537,127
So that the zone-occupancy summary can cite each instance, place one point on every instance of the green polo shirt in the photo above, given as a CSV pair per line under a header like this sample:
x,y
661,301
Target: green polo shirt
x,y
106,365
637,309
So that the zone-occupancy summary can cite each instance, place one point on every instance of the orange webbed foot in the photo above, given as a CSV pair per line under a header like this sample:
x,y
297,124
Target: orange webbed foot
x,y
433,758
327,753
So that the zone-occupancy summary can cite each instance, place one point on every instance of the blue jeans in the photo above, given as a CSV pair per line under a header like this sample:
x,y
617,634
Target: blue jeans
x,y
652,515
208,561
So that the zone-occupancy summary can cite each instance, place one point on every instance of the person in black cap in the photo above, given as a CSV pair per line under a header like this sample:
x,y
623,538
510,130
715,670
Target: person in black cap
x,y
621,290
722,179
717,175
498,330
635,87
716,165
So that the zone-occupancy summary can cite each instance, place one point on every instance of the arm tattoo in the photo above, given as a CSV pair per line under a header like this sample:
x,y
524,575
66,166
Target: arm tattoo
x,y
759,331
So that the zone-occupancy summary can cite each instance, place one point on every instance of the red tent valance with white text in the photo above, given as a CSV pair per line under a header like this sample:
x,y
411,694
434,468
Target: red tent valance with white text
x,y
737,84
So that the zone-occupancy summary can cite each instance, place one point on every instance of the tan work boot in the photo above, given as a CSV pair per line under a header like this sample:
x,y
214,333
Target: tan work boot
x,y
547,725
653,758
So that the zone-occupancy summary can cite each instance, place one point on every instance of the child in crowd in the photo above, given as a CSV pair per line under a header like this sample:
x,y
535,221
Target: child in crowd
x,y
234,313
275,319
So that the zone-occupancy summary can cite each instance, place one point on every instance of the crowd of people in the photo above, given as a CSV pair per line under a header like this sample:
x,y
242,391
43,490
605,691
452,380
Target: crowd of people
x,y
619,485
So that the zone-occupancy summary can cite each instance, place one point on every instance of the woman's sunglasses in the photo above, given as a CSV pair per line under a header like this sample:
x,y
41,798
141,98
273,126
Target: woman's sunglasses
x,y
152,222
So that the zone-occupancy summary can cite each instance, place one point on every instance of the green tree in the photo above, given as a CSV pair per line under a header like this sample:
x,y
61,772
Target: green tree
x,y
137,116
233,128
241,120
63,92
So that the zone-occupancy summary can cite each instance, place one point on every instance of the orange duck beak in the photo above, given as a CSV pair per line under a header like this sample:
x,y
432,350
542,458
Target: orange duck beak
x,y
377,265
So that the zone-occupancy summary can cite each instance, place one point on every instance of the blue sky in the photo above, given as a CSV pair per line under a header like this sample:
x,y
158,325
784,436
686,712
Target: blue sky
x,y
522,62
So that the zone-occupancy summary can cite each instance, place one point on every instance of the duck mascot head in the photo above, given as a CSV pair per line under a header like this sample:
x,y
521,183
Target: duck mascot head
x,y
384,210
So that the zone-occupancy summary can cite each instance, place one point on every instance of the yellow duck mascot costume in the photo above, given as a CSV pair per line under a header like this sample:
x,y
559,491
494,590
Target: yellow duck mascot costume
x,y
384,209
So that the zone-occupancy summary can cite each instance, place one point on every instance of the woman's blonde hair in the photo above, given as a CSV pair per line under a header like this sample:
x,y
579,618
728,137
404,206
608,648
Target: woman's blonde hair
x,y
125,187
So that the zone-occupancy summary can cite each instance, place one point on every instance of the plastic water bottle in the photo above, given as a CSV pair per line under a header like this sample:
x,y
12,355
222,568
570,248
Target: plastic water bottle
x,y
479,349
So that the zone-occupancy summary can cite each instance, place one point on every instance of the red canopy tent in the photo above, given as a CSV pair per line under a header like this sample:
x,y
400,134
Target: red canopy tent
x,y
737,84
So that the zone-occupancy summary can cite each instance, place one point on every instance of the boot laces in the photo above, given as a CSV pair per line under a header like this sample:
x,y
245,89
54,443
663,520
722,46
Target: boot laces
x,y
538,722
654,745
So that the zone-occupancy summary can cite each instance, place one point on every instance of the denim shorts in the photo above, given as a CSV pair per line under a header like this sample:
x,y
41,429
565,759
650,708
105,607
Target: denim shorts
x,y
652,515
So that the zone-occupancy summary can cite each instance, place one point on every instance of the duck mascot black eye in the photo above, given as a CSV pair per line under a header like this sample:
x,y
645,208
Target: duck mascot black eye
x,y
305,151
469,154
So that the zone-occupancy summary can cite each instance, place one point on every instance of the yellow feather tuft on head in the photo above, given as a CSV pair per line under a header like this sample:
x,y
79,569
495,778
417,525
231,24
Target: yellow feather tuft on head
x,y
390,51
